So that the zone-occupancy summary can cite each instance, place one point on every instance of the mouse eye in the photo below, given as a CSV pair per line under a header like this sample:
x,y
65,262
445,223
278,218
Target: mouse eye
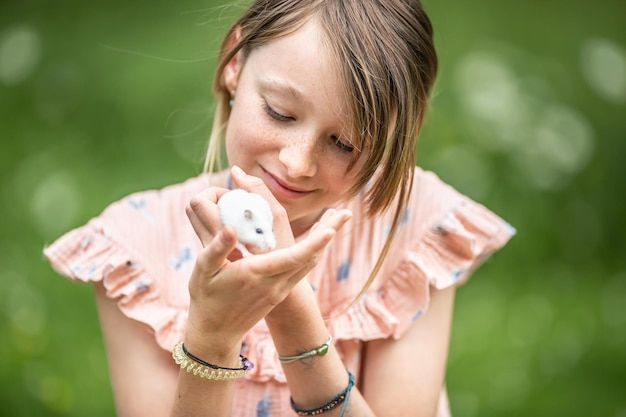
x,y
259,231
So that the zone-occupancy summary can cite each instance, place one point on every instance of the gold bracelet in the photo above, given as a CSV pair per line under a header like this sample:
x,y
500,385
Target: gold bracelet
x,y
203,369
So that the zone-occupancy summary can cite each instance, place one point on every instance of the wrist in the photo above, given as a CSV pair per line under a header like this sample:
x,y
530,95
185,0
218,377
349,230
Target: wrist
x,y
299,304
193,364
298,328
212,346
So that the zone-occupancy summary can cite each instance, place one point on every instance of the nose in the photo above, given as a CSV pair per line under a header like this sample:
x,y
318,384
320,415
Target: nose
x,y
300,154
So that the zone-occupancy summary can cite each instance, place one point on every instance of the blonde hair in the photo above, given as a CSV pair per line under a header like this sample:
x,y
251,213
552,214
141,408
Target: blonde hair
x,y
384,52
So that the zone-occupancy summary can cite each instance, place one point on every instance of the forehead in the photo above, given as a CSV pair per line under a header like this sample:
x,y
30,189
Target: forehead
x,y
301,66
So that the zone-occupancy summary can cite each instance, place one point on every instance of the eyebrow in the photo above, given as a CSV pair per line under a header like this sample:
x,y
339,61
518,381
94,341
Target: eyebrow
x,y
283,87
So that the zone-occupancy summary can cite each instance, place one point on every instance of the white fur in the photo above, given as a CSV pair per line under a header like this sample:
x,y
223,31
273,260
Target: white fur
x,y
248,213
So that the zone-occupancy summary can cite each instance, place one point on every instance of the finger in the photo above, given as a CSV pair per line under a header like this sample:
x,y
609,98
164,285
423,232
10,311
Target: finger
x,y
308,251
329,224
201,230
324,215
214,256
290,259
302,266
203,213
332,218
336,218
250,183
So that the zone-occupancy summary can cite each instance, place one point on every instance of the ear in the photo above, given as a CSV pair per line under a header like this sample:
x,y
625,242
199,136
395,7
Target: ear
x,y
233,67
247,213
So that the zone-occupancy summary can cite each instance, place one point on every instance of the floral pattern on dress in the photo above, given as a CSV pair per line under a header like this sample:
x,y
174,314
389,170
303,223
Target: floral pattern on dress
x,y
264,406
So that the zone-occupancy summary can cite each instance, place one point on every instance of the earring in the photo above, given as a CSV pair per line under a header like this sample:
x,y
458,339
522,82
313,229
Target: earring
x,y
231,103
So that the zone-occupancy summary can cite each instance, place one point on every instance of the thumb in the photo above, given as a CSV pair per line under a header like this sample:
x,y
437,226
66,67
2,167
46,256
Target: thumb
x,y
214,256
251,183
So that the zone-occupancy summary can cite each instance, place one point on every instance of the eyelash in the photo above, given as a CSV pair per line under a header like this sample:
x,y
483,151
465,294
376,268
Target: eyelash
x,y
342,146
274,114
282,118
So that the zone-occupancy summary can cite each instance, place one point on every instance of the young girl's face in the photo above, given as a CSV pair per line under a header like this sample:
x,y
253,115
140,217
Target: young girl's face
x,y
289,124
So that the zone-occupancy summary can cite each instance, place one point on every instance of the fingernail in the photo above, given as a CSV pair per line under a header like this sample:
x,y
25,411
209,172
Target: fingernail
x,y
237,171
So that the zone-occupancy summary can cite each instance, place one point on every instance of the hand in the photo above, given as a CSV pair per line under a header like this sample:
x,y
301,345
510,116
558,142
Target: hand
x,y
229,297
204,214
302,297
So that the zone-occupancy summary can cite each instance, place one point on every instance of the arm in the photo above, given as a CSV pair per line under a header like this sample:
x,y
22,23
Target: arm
x,y
268,286
297,325
230,297
143,375
399,377
148,389
414,365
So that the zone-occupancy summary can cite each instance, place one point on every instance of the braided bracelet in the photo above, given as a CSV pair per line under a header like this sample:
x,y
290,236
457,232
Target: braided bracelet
x,y
342,397
322,350
203,369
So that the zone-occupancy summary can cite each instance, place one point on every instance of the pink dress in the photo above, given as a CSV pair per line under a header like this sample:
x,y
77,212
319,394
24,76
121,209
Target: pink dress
x,y
143,248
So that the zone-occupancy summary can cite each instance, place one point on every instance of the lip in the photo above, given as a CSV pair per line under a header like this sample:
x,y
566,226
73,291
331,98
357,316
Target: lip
x,y
282,188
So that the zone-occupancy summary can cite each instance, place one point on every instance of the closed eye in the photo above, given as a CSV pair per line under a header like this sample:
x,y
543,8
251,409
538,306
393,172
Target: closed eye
x,y
342,145
274,114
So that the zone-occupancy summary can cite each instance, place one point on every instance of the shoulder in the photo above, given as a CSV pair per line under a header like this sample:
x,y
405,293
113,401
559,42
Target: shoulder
x,y
446,234
443,236
142,248
357,246
146,223
139,227
430,198
148,204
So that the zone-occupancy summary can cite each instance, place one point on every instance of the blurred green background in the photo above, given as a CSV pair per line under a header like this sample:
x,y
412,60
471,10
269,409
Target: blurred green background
x,y
99,99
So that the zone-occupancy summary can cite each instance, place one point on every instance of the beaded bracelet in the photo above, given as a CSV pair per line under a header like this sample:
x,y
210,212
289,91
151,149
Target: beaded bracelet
x,y
322,350
342,397
203,369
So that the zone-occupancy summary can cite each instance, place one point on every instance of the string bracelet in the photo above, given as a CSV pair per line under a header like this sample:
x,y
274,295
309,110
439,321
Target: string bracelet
x,y
203,369
341,398
322,350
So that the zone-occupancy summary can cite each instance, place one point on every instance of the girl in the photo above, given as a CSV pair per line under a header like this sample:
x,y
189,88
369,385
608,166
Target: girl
x,y
319,105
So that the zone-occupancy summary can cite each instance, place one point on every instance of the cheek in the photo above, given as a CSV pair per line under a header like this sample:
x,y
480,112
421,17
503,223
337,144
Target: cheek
x,y
339,183
344,187
245,135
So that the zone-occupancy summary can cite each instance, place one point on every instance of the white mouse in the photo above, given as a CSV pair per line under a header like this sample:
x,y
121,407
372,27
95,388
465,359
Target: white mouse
x,y
251,217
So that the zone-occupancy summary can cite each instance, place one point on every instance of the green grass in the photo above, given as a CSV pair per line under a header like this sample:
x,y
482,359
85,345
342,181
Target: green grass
x,y
112,97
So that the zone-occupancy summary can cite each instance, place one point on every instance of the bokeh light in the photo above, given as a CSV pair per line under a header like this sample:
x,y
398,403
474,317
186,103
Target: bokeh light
x,y
603,63
100,99
20,52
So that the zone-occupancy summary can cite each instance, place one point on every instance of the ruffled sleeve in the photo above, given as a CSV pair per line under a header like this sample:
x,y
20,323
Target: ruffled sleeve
x,y
444,237
142,248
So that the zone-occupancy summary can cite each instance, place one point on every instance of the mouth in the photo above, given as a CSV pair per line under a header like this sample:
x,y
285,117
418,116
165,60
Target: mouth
x,y
281,188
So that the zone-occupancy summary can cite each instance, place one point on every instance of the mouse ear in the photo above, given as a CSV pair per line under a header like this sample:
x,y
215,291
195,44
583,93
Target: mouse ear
x,y
247,213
